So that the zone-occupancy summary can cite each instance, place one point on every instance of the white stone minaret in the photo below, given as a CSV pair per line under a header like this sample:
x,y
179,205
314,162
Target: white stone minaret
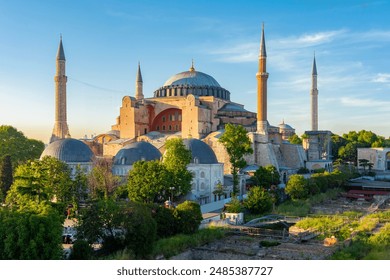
x,y
262,77
139,85
314,98
60,130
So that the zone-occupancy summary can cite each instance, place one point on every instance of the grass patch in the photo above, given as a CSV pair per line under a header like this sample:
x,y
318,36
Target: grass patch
x,y
302,208
294,208
169,247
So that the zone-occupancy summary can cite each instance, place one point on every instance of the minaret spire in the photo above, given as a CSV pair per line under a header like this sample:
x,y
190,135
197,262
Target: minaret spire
x,y
60,130
262,77
314,97
139,85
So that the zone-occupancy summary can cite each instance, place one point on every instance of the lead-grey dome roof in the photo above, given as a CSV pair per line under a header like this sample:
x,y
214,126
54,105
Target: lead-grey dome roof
x,y
69,150
137,151
192,78
201,152
192,82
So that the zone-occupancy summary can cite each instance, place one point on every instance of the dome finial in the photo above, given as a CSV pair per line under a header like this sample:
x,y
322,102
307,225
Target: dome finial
x,y
192,66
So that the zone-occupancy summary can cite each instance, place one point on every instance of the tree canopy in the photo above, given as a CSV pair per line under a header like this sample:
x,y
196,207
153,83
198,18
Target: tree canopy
x,y
345,147
176,159
259,200
149,181
294,139
30,234
41,180
266,176
237,145
18,146
6,176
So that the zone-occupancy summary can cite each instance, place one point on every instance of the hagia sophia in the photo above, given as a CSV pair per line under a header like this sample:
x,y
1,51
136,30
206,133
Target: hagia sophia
x,y
194,106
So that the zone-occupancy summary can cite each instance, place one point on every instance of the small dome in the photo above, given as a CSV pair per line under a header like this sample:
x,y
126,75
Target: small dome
x,y
69,150
137,151
192,78
201,152
285,126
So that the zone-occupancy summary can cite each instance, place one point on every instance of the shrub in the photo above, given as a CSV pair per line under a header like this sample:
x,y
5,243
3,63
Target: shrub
x,y
140,230
234,206
81,250
297,187
188,217
259,201
165,220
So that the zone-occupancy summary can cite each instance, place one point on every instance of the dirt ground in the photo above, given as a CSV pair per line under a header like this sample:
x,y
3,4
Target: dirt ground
x,y
242,247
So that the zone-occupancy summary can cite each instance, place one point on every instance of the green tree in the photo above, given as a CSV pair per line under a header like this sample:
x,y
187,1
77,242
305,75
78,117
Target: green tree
x,y
176,159
140,229
234,206
30,234
294,139
165,220
297,187
119,225
149,181
81,250
101,182
237,145
18,146
259,200
188,217
364,163
6,177
41,180
266,176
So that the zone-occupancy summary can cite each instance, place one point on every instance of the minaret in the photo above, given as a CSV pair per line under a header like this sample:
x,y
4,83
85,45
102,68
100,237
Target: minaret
x,y
262,77
60,130
314,97
139,85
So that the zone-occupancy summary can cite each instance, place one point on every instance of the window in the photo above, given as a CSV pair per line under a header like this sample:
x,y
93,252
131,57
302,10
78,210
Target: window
x,y
163,129
169,128
163,118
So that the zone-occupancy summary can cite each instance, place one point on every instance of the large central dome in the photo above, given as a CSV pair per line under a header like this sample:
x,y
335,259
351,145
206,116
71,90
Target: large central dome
x,y
192,78
192,82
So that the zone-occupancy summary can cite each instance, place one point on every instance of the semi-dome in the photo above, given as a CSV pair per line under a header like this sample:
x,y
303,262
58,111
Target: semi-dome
x,y
69,150
192,82
137,151
201,152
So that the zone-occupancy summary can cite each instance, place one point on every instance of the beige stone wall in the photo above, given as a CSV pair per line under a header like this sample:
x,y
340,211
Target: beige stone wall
x,y
377,156
293,155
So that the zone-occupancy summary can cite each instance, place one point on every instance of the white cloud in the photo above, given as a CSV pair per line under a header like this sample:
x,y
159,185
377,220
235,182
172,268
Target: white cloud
x,y
382,78
365,103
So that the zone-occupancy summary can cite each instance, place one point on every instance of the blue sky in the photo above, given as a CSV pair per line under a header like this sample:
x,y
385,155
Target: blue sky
x,y
104,40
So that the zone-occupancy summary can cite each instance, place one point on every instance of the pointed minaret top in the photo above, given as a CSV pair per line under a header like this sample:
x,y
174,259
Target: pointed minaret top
x,y
192,69
60,52
139,76
263,52
314,71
